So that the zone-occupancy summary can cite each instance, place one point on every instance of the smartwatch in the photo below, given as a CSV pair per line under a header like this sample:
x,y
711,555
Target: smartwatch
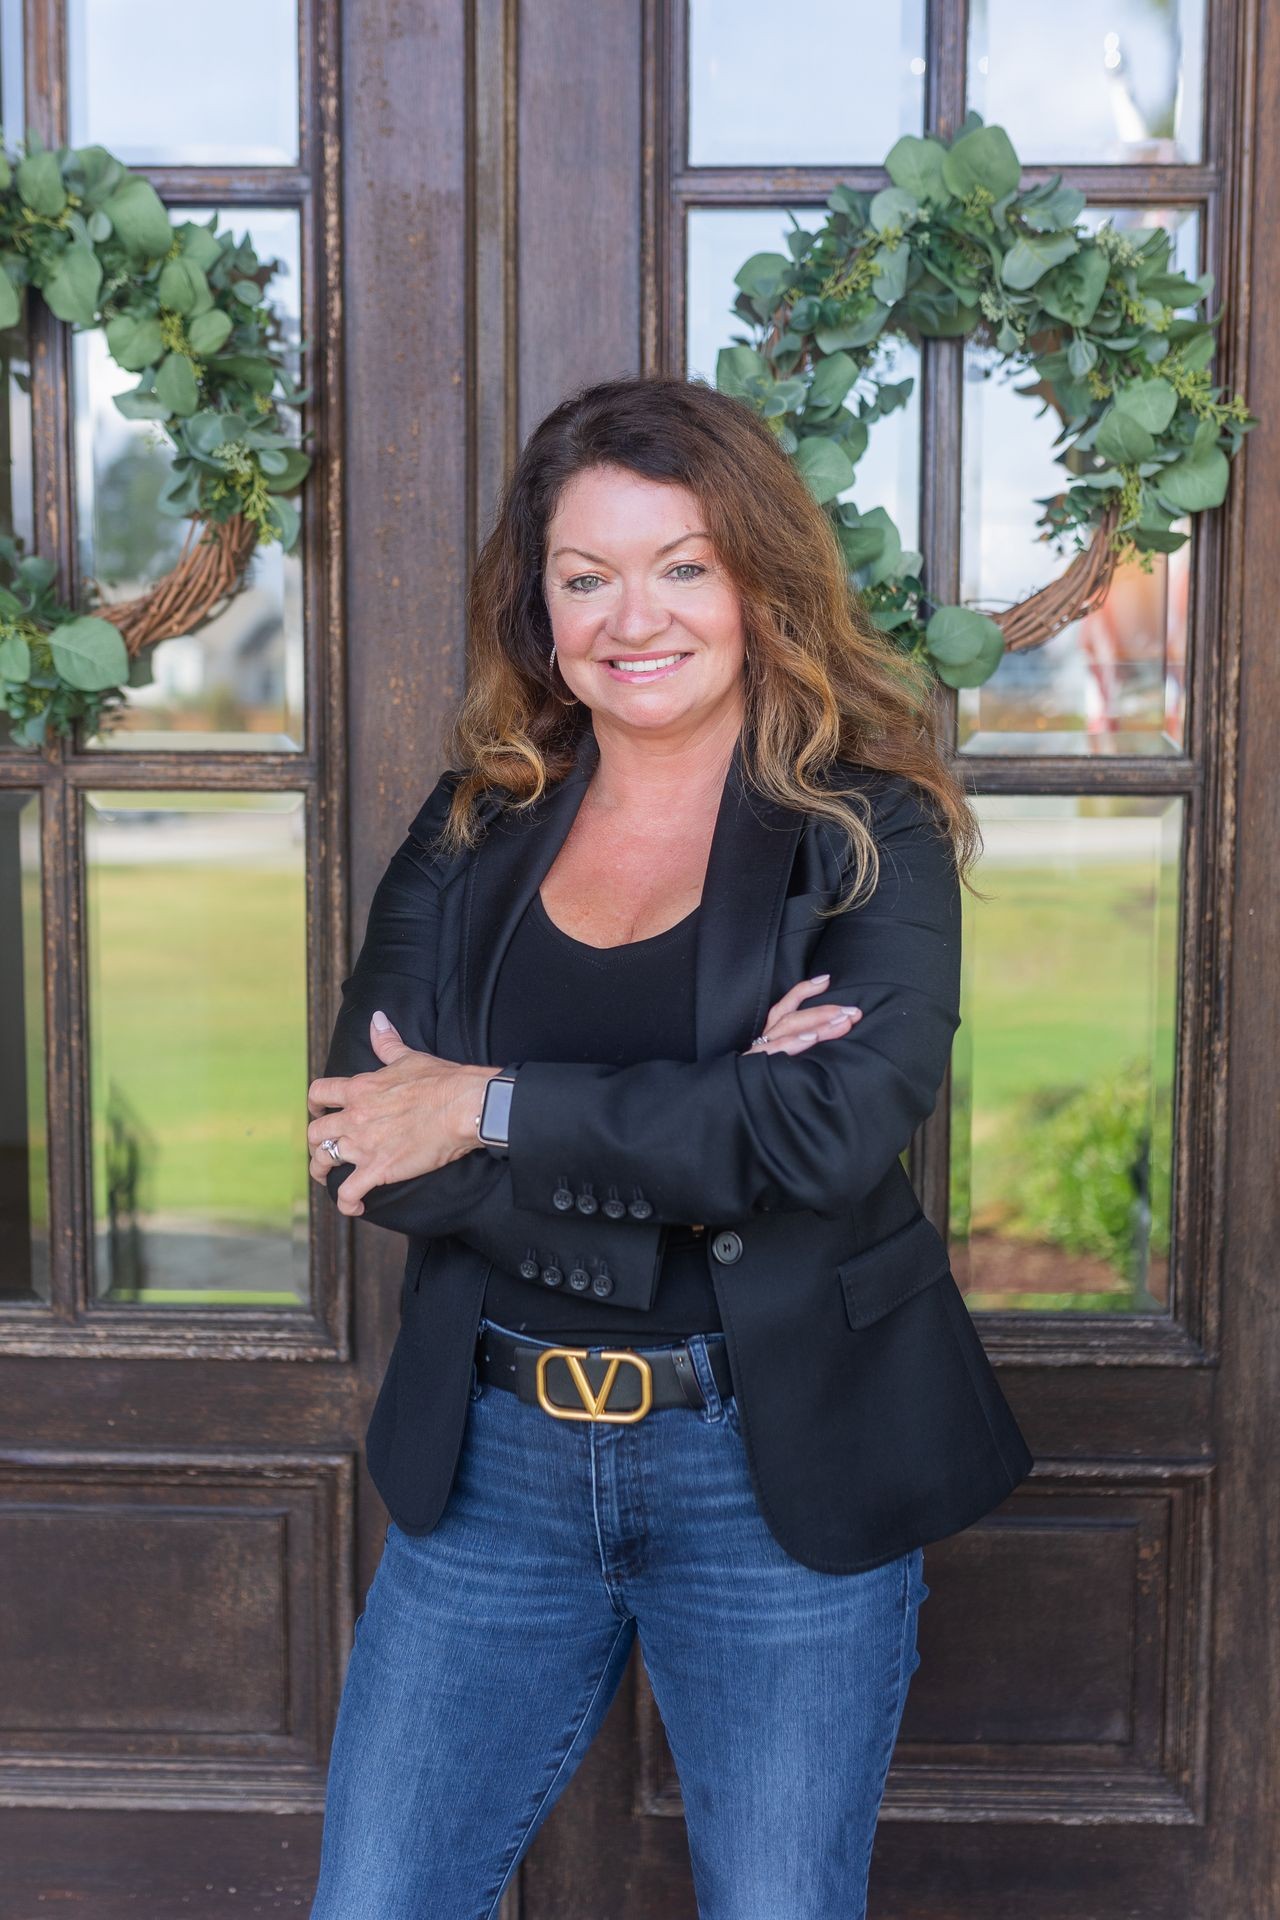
x,y
495,1112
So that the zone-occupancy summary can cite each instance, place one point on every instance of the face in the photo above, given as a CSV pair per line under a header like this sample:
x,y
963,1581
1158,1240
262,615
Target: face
x,y
631,576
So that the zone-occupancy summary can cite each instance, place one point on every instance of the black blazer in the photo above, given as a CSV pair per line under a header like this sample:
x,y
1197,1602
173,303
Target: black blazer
x,y
872,1420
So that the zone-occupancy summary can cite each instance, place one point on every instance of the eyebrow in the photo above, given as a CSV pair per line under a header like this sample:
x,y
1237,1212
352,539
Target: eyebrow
x,y
679,542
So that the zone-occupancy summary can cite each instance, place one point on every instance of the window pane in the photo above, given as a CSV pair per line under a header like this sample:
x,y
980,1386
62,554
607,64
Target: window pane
x,y
24,1201
1115,682
238,682
1063,1067
1100,81
763,93
179,86
721,240
198,994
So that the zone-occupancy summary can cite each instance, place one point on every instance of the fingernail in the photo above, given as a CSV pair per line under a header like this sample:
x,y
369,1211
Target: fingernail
x,y
381,1023
816,978
852,1010
808,1036
838,1020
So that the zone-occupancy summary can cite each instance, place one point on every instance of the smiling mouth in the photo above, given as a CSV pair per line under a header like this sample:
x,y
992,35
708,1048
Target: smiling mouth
x,y
638,668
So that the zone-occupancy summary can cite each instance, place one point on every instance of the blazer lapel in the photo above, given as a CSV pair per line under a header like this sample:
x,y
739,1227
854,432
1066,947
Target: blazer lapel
x,y
752,850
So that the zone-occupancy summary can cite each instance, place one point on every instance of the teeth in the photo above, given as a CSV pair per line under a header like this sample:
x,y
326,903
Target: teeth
x,y
646,666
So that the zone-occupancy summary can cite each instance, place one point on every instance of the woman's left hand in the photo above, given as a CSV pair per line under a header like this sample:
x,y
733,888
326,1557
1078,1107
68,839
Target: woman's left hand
x,y
413,1114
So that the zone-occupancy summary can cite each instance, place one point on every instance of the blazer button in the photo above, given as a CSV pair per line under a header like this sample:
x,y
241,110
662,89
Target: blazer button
x,y
562,1198
615,1209
529,1268
640,1208
587,1202
579,1279
551,1276
727,1247
602,1285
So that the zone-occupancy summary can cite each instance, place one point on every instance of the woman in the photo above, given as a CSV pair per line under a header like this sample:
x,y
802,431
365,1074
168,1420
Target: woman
x,y
652,998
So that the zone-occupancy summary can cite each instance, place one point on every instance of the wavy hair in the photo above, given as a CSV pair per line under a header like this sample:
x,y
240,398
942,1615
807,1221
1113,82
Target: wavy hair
x,y
823,685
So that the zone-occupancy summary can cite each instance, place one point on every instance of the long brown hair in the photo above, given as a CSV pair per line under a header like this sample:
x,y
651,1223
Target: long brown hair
x,y
822,683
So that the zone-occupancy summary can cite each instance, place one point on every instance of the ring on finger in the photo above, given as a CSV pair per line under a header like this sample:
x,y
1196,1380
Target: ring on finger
x,y
332,1149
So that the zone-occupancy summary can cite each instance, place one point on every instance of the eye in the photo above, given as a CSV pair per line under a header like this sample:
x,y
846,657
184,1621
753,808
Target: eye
x,y
688,566
572,586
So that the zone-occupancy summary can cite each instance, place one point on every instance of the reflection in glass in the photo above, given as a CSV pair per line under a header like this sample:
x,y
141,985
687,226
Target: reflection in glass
x,y
197,980
762,93
1100,81
1063,1067
179,86
24,1190
1115,682
721,240
238,682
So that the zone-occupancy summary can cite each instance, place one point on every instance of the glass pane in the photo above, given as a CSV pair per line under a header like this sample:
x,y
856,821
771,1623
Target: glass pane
x,y
177,86
24,1192
1063,1067
1100,81
1115,682
12,101
238,682
198,1034
763,93
721,240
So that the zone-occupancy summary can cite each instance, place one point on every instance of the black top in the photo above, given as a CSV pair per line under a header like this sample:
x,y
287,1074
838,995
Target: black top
x,y
557,998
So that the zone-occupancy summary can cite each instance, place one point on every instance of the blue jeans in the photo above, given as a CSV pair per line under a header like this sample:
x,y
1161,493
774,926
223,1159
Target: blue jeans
x,y
489,1650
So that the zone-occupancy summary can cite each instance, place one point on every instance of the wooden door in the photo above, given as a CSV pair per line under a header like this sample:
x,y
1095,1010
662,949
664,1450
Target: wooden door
x,y
496,203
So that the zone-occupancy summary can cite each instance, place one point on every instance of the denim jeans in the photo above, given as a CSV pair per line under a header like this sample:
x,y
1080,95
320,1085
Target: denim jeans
x,y
489,1650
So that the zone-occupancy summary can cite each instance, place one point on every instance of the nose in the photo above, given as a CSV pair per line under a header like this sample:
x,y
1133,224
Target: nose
x,y
637,615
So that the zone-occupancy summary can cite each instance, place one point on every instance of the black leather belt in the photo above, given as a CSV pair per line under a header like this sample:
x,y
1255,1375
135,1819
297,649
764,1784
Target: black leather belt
x,y
620,1384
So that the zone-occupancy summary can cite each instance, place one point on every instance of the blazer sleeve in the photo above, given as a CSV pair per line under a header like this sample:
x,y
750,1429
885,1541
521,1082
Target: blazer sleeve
x,y
470,1197
720,1139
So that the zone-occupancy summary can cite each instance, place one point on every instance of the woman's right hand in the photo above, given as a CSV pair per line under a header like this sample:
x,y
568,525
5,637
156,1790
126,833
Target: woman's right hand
x,y
791,1028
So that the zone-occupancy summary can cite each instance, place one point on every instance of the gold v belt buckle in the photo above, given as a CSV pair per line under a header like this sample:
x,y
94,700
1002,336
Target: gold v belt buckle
x,y
594,1404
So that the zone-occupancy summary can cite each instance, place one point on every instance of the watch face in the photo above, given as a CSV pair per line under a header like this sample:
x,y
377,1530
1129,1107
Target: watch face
x,y
494,1112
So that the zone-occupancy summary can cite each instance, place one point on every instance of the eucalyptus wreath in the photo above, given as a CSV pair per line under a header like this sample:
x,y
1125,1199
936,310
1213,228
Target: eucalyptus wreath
x,y
185,308
955,248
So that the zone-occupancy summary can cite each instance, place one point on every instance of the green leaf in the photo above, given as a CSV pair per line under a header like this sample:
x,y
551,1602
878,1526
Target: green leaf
x,y
1081,356
764,276
99,227
258,375
965,647
1158,540
89,654
890,283
1073,290
1171,289
957,636
982,158
273,461
137,213
888,561
183,287
832,380
827,469
10,302
737,369
1122,439
1050,212
248,291
40,183
141,405
916,166
286,520
1197,481
71,292
35,572
297,466
134,344
15,657
176,384
180,494
893,207
1152,403
199,244
1031,256
209,331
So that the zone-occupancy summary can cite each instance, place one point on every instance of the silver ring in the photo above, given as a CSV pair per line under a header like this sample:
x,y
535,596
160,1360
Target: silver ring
x,y
761,1039
331,1148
